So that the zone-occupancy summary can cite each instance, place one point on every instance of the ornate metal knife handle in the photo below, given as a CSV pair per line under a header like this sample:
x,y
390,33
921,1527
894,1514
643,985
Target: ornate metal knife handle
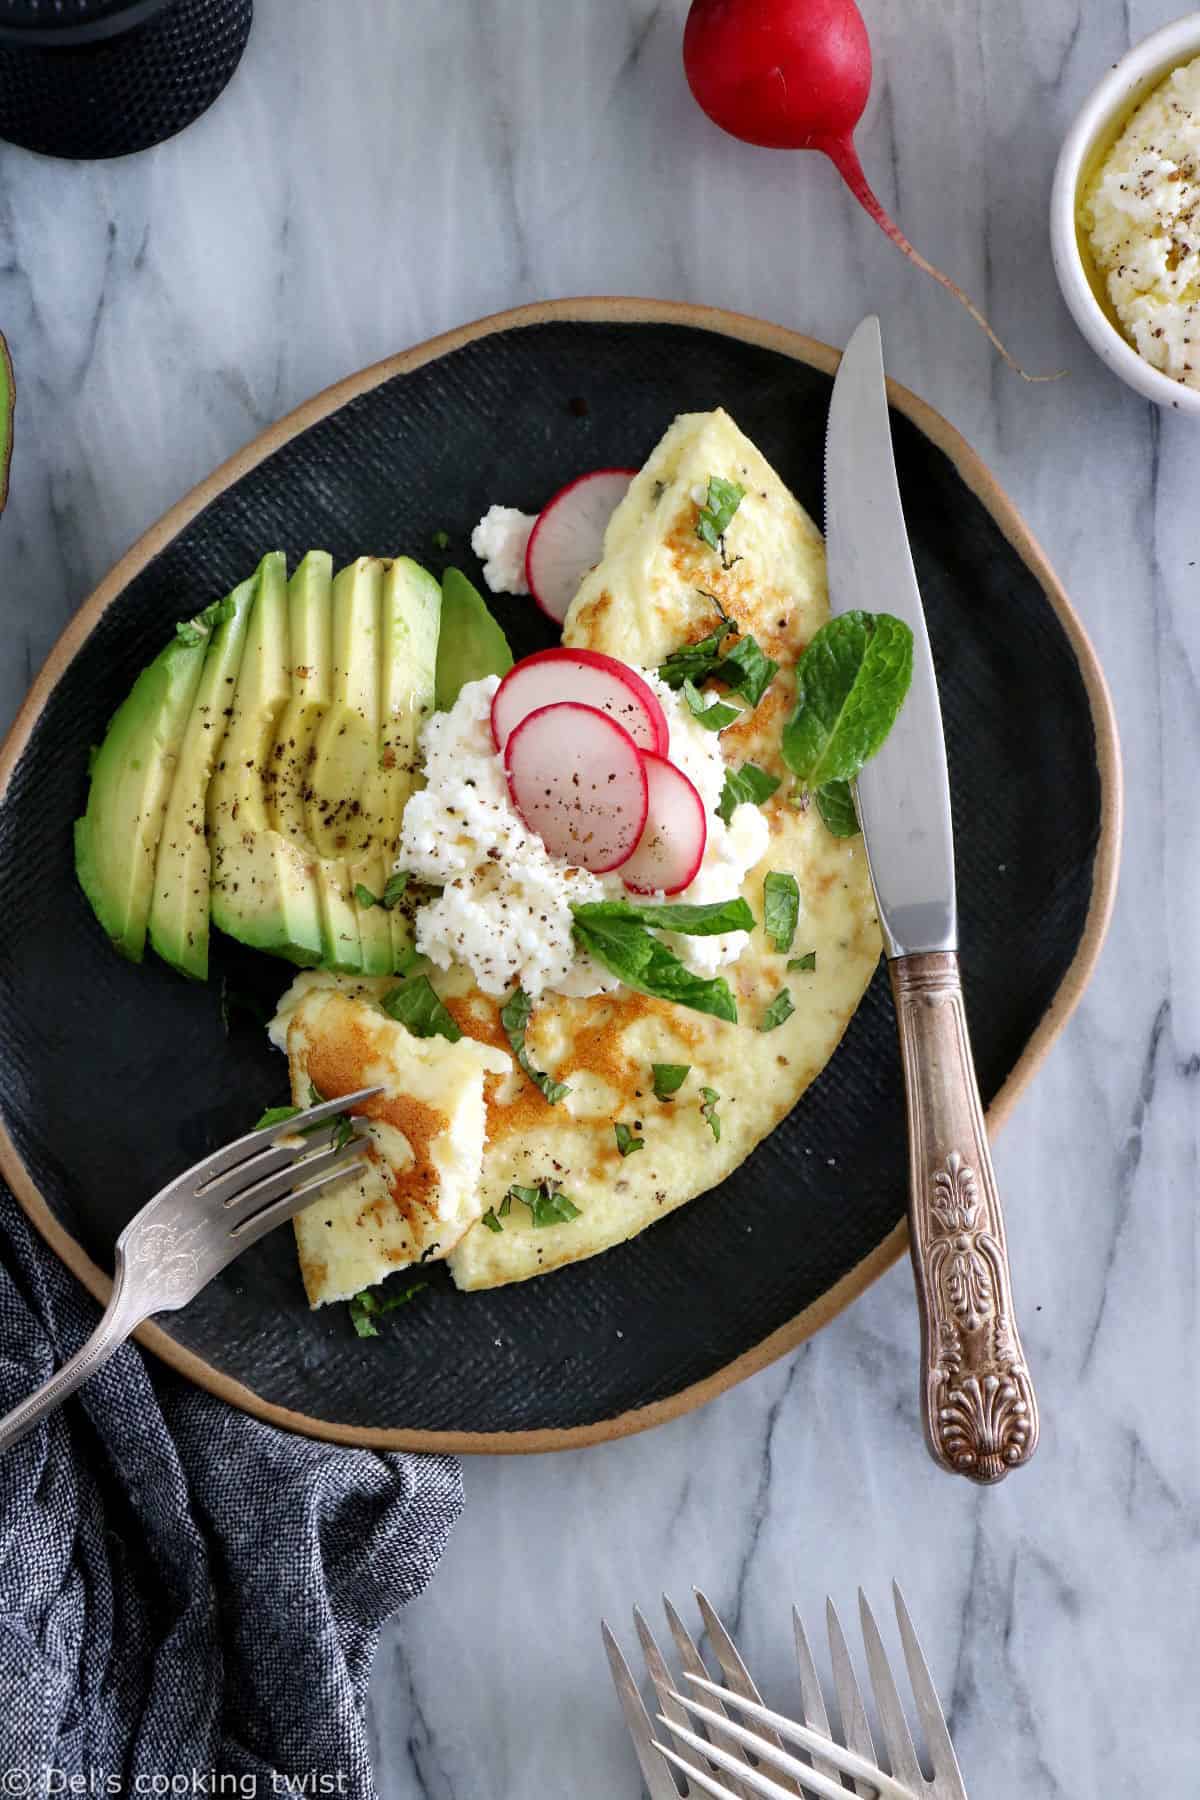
x,y
981,1416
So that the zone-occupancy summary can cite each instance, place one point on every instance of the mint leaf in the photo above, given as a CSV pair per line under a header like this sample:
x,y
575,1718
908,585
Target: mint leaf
x,y
415,1005
716,515
714,715
708,1108
707,920
696,662
393,893
364,896
850,685
807,962
626,1142
781,908
514,1016
372,1303
641,961
749,783
747,670
669,1078
781,1008
547,1206
275,1115
835,803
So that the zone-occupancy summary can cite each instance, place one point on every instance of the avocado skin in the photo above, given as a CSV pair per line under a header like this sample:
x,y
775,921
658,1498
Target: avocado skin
x,y
8,401
471,644
116,841
179,911
264,891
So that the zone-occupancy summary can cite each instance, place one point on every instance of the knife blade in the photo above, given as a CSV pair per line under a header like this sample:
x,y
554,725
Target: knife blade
x,y
903,794
977,1400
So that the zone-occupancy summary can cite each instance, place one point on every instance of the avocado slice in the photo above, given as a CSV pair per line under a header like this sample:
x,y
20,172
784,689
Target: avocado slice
x,y
471,644
179,909
264,891
8,401
116,841
412,613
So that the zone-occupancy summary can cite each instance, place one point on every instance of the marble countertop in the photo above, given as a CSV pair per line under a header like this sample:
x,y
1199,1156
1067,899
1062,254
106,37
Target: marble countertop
x,y
378,173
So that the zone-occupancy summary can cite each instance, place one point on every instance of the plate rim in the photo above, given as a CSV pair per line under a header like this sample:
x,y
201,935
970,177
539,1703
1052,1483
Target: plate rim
x,y
983,484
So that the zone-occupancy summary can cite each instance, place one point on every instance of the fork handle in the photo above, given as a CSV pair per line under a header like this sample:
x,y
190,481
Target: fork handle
x,y
978,1404
118,1321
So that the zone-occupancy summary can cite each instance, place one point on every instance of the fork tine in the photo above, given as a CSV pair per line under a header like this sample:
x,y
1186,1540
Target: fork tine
x,y
242,1149
706,1784
855,1729
693,1662
933,1719
812,1700
246,1201
322,1170
660,1675
748,1781
659,1782
732,1666
897,1736
842,1761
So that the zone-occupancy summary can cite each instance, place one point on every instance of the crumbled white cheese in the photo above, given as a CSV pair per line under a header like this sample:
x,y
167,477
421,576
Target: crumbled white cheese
x,y
1142,218
505,905
500,541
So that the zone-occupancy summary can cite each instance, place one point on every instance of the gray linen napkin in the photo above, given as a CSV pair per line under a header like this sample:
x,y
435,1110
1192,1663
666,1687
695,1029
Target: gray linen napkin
x,y
187,1595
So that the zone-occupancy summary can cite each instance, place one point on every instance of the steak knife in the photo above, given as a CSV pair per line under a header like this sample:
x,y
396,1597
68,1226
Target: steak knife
x,y
978,1403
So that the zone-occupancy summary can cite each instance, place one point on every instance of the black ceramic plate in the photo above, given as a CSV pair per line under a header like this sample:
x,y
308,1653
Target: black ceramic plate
x,y
114,1077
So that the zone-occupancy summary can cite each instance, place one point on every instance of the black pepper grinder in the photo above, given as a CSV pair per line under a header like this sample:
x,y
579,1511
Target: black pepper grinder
x,y
93,78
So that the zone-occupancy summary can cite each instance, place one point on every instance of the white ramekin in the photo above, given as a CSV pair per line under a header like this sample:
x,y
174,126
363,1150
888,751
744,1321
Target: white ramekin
x,y
1155,56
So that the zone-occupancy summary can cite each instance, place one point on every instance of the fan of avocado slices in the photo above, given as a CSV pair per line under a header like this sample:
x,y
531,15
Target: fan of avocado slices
x,y
256,775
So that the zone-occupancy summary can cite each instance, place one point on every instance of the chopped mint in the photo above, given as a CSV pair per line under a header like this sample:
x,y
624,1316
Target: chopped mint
x,y
781,908
275,1115
515,1015
716,515
708,1108
835,803
547,1205
627,1143
850,685
807,963
415,1004
714,715
696,662
707,920
749,783
747,670
490,1220
393,892
781,1008
364,896
372,1303
641,961
669,1078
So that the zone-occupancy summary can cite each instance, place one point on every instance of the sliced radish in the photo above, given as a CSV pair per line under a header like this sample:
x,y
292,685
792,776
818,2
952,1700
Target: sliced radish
x,y
671,847
568,538
588,677
576,778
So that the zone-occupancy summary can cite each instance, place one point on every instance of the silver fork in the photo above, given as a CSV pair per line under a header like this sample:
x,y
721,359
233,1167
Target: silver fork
x,y
195,1227
734,1745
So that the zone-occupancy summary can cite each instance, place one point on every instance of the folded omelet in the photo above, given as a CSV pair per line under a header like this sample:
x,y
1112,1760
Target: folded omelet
x,y
653,592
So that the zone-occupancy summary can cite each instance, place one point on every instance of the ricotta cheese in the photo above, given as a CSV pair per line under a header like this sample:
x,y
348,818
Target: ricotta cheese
x,y
500,541
1141,216
505,906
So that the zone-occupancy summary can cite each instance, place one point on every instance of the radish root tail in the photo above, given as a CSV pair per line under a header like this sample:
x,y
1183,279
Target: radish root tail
x,y
842,153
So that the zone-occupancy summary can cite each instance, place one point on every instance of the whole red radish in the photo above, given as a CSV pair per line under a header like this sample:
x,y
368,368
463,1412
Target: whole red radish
x,y
795,75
